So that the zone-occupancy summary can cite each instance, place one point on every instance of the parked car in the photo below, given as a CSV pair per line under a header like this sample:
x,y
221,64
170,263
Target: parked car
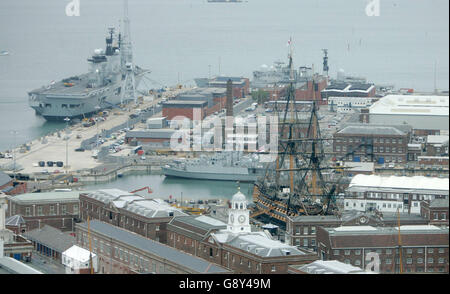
x,y
79,149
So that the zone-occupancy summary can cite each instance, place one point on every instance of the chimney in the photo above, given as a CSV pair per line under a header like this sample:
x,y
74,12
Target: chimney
x,y
229,101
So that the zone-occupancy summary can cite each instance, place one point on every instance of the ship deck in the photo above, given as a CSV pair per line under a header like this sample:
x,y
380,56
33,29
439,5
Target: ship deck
x,y
79,87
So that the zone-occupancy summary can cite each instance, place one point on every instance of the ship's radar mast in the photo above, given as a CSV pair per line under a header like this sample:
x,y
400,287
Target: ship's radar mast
x,y
325,62
126,62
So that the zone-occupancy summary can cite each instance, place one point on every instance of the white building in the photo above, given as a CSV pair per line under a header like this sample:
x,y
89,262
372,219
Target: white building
x,y
348,104
389,193
421,112
77,260
238,234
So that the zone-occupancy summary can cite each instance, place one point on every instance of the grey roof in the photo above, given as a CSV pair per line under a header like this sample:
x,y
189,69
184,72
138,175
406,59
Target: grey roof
x,y
329,267
9,265
194,263
439,203
135,203
316,218
184,103
51,238
4,178
192,227
371,130
257,243
151,134
15,220
46,197
371,230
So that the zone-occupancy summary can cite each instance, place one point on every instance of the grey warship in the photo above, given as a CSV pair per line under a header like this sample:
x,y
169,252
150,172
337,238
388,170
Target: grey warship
x,y
221,167
112,79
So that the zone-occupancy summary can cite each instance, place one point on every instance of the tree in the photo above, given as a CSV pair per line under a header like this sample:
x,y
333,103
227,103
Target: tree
x,y
260,96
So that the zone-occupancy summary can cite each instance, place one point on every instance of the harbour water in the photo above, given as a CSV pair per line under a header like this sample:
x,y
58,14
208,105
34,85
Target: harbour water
x,y
187,189
179,40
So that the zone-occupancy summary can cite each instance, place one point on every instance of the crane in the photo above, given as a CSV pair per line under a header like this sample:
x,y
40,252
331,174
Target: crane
x,y
146,187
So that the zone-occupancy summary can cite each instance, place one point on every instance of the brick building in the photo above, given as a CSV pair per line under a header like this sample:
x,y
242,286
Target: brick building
x,y
146,217
215,98
57,209
301,230
435,211
180,109
389,193
234,245
120,251
423,248
372,143
436,145
309,92
12,244
11,187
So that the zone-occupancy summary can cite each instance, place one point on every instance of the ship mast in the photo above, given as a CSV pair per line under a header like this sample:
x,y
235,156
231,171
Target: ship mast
x,y
126,60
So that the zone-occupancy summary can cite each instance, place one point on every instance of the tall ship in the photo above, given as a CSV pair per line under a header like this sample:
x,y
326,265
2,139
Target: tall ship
x,y
298,182
112,79
225,166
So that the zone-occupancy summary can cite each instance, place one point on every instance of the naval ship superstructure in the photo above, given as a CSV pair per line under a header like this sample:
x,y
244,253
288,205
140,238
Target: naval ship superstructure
x,y
111,76
225,166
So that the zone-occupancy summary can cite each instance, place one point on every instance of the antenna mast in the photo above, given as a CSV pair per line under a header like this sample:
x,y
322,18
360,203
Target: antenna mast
x,y
126,60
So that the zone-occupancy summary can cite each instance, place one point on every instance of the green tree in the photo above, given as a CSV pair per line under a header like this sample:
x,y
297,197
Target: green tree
x,y
260,96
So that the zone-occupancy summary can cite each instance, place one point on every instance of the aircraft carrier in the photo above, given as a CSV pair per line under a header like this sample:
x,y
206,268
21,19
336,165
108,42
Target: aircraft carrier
x,y
112,79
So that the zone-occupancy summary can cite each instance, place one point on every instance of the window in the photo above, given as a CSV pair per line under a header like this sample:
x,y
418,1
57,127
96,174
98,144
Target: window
x,y
75,209
358,262
441,260
313,242
305,242
443,216
388,261
347,252
409,261
436,216
116,252
305,231
347,261
157,228
430,260
409,251
388,251
297,230
52,209
430,250
39,210
249,264
441,250
273,268
63,209
313,230
357,252
419,260
419,250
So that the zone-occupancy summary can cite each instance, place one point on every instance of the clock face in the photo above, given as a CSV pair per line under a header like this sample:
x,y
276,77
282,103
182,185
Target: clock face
x,y
232,218
241,219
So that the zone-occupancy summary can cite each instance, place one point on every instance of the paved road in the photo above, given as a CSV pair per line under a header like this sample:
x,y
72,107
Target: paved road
x,y
45,264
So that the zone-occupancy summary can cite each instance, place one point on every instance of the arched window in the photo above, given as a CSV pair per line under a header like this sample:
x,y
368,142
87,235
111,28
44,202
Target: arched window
x,y
241,206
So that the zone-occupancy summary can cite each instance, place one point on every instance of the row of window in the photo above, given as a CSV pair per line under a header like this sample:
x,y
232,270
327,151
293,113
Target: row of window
x,y
375,140
52,210
305,230
305,242
389,251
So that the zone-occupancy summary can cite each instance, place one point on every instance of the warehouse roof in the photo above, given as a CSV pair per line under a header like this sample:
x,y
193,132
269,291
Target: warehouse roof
x,y
371,130
51,238
411,105
46,197
193,263
435,139
439,203
173,103
400,182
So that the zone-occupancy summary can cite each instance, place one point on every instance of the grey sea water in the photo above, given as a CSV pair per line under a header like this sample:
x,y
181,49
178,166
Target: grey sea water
x,y
184,39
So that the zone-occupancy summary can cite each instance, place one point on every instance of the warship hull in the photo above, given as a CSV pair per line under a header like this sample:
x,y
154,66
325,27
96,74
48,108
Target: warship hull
x,y
239,174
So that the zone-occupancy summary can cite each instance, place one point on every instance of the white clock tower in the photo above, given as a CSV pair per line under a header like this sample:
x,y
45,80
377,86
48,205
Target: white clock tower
x,y
238,217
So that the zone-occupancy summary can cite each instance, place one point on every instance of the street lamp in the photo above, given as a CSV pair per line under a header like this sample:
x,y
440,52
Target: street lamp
x,y
97,108
14,152
67,143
